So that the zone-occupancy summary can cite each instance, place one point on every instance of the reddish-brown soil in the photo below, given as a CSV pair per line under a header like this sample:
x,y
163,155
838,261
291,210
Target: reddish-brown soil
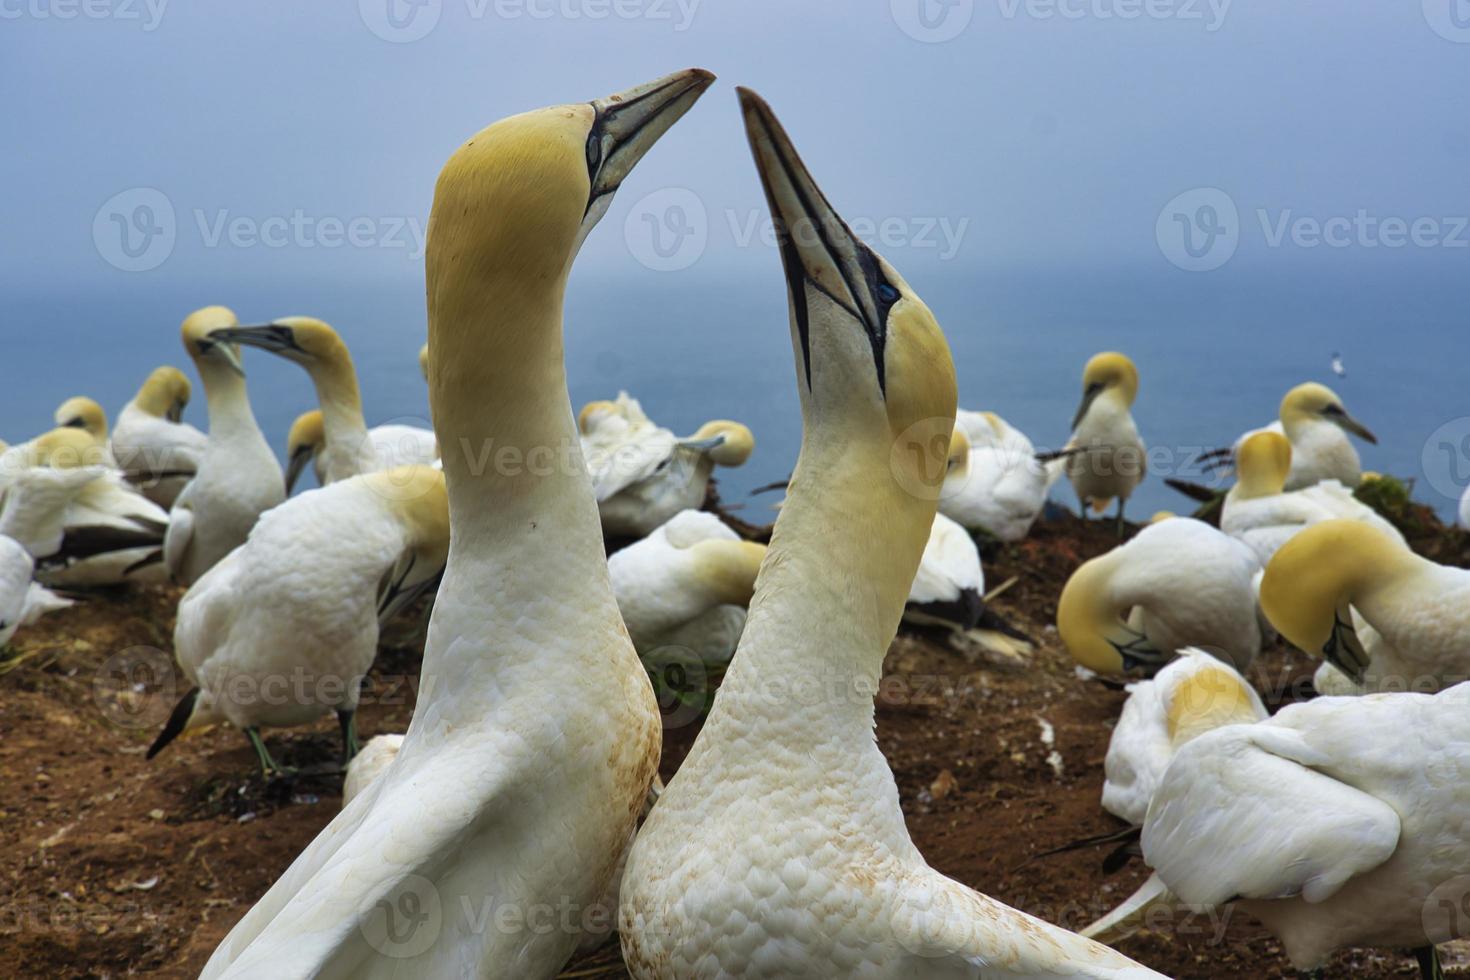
x,y
115,866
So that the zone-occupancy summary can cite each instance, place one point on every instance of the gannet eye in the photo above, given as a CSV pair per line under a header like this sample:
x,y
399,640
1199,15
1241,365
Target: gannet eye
x,y
594,150
887,293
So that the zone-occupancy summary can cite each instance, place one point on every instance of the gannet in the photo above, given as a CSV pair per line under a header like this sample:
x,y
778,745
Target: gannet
x,y
686,586
999,485
348,447
238,478
1419,610
1465,510
1178,583
81,412
156,451
1258,510
531,750
642,473
76,515
372,761
282,630
1193,694
779,848
949,587
22,600
1315,420
393,445
1337,822
1111,459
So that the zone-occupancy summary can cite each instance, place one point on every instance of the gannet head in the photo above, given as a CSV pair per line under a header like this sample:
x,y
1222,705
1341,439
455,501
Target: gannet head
x,y
164,394
1211,695
1311,401
727,569
415,495
726,443
85,414
424,361
1108,371
66,447
593,413
303,442
873,365
957,463
204,346
1091,623
1261,465
303,339
1315,577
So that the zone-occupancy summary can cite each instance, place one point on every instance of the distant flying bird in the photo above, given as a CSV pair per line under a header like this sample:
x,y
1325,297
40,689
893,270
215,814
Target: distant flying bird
x,y
1337,365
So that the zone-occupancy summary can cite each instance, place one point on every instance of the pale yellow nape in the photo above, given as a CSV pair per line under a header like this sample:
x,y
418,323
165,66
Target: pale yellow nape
x,y
197,325
1321,569
1086,619
589,411
1207,699
164,390
416,495
67,448
307,432
728,568
1113,371
1307,400
1261,465
81,408
506,222
317,339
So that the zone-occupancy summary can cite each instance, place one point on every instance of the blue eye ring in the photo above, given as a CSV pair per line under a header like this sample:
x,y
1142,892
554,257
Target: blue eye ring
x,y
887,293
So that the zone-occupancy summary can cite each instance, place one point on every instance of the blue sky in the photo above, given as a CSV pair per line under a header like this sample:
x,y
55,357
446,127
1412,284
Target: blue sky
x,y
1045,135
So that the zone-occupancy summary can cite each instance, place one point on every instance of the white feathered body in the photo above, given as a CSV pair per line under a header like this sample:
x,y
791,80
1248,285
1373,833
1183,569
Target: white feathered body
x,y
640,475
1267,523
1336,821
1320,451
157,455
1420,629
385,447
950,577
1003,488
290,617
1112,461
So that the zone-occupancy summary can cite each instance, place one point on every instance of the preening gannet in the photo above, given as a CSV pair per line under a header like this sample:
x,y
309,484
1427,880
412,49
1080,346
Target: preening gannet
x,y
686,585
156,451
283,629
84,525
1193,694
1315,420
1260,512
533,745
999,485
1111,459
238,478
779,848
348,448
81,412
393,445
1419,611
1337,822
642,473
1179,583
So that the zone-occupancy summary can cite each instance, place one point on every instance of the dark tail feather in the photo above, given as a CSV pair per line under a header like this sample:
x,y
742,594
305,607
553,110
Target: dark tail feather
x,y
1127,836
1194,491
152,558
995,622
177,722
1052,455
778,485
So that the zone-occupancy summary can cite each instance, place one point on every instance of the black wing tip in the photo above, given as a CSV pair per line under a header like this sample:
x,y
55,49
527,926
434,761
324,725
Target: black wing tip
x,y
177,722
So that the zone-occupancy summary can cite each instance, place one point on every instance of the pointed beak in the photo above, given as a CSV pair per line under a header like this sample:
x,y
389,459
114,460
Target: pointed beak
x,y
175,412
817,246
1349,424
627,125
231,356
268,337
701,446
295,465
1088,397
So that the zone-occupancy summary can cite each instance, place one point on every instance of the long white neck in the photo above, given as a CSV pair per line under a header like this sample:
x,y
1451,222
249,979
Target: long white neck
x,y
526,559
230,417
829,597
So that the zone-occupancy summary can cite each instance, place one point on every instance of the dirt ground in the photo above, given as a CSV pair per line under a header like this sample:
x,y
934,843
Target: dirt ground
x,y
115,866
